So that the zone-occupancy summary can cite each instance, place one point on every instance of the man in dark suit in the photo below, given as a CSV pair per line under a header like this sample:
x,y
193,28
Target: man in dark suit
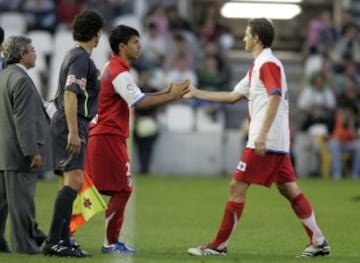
x,y
24,145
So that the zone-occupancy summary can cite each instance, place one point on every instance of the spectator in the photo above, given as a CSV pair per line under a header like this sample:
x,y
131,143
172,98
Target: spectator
x,y
211,49
210,77
40,15
344,139
66,10
329,74
107,8
157,15
351,71
347,49
346,19
317,105
314,62
349,95
322,33
153,46
317,102
209,26
10,6
176,21
146,126
178,46
181,71
313,34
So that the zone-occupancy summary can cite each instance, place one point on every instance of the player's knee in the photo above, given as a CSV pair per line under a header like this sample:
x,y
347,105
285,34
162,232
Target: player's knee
x,y
126,194
281,189
288,190
237,191
75,180
76,184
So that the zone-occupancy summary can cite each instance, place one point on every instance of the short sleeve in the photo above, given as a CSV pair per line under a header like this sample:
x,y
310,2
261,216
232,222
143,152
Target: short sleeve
x,y
126,87
76,79
270,74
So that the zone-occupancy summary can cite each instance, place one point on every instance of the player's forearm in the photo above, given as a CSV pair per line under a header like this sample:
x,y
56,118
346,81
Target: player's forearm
x,y
218,96
270,114
152,100
70,101
157,93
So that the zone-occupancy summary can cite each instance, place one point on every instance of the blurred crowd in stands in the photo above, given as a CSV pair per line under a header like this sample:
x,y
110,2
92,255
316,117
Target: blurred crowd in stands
x,y
173,48
329,101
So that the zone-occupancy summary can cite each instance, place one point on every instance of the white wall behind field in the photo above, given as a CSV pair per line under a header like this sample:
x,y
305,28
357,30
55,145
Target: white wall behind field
x,y
194,153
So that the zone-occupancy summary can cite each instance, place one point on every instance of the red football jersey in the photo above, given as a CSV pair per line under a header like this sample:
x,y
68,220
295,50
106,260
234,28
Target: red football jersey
x,y
118,93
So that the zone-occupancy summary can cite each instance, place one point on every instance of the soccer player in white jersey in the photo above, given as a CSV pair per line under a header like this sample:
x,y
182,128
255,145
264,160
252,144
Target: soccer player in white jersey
x,y
266,158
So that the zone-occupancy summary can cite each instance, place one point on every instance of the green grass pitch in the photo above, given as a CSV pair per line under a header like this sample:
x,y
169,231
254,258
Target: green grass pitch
x,y
173,213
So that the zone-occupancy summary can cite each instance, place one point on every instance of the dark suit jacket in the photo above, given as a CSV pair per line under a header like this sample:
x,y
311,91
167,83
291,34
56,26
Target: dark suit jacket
x,y
24,124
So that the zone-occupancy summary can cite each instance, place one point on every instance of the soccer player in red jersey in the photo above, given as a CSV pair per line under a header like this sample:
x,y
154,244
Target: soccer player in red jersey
x,y
107,160
266,158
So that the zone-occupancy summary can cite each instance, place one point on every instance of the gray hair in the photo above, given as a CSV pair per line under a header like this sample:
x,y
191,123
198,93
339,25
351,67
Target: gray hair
x,y
14,48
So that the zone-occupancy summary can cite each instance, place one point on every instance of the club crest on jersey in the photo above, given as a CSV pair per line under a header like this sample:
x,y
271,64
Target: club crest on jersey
x,y
130,86
133,90
72,79
241,166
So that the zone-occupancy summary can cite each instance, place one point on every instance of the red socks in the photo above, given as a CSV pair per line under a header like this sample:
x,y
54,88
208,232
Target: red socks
x,y
232,215
115,216
305,213
301,206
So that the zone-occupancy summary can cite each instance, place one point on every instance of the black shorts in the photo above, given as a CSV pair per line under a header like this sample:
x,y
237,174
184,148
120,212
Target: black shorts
x,y
63,161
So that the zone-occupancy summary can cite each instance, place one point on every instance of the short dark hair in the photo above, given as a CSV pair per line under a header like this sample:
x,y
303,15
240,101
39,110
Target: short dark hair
x,y
2,35
264,29
86,25
121,34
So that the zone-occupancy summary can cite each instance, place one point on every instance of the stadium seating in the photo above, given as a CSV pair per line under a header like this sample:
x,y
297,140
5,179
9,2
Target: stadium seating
x,y
13,23
179,118
43,42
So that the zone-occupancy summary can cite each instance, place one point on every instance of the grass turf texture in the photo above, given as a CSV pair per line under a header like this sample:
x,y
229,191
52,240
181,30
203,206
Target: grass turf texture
x,y
174,213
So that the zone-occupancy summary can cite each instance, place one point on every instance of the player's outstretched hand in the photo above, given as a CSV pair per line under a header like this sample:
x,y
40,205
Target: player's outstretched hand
x,y
180,89
191,93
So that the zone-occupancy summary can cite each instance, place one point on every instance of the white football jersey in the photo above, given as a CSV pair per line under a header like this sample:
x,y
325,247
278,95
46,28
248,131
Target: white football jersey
x,y
265,78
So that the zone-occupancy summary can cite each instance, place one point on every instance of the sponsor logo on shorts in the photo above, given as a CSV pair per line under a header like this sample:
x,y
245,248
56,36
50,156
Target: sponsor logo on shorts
x,y
241,166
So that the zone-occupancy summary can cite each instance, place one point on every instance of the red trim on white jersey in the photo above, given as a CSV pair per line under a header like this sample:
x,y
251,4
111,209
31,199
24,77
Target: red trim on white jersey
x,y
267,78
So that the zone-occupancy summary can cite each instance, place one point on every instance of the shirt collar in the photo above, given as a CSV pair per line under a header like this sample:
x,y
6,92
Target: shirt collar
x,y
21,66
264,52
121,61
